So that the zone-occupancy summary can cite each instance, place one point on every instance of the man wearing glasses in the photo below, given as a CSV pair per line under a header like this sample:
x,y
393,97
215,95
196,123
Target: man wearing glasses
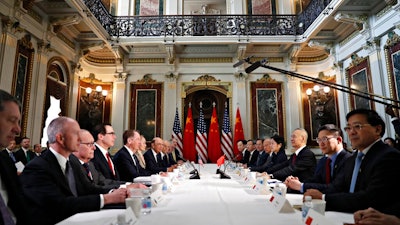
x,y
330,141
104,136
370,175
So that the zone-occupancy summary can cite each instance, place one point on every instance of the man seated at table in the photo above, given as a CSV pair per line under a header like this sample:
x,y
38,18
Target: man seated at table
x,y
330,141
81,159
153,157
369,177
300,164
48,181
125,160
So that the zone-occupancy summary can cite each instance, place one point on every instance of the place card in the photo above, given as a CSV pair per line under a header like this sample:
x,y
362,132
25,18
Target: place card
x,y
156,197
280,204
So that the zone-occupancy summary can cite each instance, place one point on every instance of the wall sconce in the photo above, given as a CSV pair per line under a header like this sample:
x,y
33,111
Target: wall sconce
x,y
98,95
319,96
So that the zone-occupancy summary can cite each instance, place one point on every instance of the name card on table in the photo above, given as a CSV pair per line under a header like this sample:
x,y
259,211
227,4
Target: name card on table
x,y
156,197
280,203
315,218
261,188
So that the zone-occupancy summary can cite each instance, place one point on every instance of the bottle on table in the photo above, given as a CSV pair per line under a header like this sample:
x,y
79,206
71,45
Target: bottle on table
x,y
146,202
307,205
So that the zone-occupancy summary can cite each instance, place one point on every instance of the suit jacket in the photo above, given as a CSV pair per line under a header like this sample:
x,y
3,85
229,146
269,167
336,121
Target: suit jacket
x,y
253,158
171,159
178,155
376,184
101,164
262,158
5,153
318,181
152,165
303,168
47,192
84,185
20,156
127,169
11,183
246,156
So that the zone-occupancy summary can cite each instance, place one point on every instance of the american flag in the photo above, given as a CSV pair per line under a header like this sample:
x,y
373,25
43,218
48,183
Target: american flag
x,y
226,137
201,137
177,132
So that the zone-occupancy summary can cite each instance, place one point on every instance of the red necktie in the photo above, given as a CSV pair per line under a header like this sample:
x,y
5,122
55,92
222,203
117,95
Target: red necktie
x,y
328,170
110,163
294,158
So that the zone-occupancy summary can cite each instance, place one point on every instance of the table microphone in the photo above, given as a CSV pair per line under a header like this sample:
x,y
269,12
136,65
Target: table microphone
x,y
222,174
195,174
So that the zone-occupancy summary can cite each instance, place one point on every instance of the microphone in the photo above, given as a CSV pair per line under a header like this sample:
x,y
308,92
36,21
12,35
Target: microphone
x,y
222,174
255,65
240,62
194,172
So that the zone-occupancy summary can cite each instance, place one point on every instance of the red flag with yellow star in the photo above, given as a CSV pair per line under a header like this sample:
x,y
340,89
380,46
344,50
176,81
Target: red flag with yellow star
x,y
238,135
189,151
214,138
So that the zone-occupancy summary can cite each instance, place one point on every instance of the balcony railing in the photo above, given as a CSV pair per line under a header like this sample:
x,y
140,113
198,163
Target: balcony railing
x,y
205,25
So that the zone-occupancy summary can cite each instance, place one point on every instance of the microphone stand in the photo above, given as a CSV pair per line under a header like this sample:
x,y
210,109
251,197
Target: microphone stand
x,y
194,172
370,96
222,174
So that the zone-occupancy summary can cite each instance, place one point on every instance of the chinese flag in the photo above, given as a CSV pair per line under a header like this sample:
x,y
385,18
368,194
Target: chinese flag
x,y
214,138
189,151
238,135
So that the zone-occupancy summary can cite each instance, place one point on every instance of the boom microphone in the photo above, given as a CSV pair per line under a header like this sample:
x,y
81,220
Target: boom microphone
x,y
240,62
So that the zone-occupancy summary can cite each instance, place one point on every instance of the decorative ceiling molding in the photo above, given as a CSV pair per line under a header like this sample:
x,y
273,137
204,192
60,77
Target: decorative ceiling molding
x,y
206,60
147,60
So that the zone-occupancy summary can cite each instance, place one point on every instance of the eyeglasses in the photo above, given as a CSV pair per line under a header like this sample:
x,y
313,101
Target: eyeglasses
x,y
355,127
89,144
323,139
111,133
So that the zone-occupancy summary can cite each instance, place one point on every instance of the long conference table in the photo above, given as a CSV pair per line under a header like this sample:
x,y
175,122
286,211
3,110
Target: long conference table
x,y
211,200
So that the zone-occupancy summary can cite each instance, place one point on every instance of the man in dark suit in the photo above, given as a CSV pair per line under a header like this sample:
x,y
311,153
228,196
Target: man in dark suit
x,y
126,161
9,151
153,157
264,158
253,153
49,184
176,154
104,137
82,159
330,141
370,175
244,155
11,195
24,154
300,164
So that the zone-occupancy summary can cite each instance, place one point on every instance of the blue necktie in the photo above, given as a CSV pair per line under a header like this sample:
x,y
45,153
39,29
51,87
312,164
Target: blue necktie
x,y
13,157
355,171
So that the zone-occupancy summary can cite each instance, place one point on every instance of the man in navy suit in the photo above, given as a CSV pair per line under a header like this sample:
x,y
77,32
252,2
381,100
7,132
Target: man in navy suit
x,y
126,161
375,177
330,141
49,190
300,164
264,158
11,193
153,157
104,137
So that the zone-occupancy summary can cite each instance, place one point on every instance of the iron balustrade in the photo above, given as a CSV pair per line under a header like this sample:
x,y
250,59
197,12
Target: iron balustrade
x,y
205,25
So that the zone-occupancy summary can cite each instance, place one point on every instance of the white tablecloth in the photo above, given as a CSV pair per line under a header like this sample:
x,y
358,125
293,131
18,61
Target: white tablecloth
x,y
211,200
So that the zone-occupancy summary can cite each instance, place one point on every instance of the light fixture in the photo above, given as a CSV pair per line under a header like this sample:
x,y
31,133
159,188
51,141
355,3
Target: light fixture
x,y
319,95
96,97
